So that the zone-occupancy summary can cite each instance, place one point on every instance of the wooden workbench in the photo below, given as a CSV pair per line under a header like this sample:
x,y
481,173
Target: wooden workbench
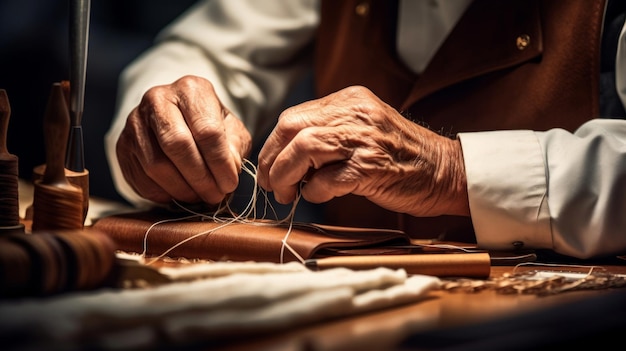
x,y
450,313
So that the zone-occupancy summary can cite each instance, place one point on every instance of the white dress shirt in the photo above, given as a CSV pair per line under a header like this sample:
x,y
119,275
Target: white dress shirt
x,y
550,190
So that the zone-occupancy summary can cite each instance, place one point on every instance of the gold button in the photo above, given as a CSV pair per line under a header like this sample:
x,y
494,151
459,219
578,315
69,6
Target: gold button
x,y
362,9
523,41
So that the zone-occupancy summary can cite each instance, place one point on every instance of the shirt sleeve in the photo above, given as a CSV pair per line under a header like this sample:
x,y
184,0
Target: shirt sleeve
x,y
549,190
251,51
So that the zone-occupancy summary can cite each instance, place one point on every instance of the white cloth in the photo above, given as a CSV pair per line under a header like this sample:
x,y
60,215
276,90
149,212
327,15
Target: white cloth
x,y
240,47
231,307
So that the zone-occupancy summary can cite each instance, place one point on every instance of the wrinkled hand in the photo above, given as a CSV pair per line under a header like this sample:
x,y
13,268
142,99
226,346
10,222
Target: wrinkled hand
x,y
181,143
352,142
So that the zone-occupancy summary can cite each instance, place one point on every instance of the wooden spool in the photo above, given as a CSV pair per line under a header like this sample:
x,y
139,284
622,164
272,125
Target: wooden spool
x,y
52,262
80,179
9,177
57,203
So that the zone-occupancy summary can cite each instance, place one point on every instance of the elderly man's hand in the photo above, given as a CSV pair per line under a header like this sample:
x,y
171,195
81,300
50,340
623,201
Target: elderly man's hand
x,y
182,143
352,142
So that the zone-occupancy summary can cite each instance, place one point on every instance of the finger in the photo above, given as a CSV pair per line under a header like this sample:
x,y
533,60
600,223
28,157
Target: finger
x,y
167,136
289,124
219,153
331,181
314,148
273,146
146,171
140,182
178,144
204,116
239,139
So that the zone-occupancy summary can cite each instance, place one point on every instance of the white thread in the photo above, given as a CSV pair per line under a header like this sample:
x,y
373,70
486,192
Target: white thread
x,y
447,246
591,268
188,239
291,215
248,216
145,237
569,286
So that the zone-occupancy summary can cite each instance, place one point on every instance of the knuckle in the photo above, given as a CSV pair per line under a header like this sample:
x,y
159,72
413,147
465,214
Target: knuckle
x,y
289,120
153,95
176,144
286,115
208,132
191,83
357,91
132,128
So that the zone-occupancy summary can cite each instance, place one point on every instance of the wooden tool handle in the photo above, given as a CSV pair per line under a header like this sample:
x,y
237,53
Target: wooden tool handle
x,y
56,126
5,113
442,265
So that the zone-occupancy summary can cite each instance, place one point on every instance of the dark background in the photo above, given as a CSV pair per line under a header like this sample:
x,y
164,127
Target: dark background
x,y
34,53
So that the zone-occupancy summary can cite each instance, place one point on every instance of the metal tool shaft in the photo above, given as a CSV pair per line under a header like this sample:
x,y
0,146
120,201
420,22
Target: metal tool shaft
x,y
79,39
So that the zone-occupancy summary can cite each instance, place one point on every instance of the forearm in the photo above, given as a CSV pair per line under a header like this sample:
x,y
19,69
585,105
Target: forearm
x,y
549,190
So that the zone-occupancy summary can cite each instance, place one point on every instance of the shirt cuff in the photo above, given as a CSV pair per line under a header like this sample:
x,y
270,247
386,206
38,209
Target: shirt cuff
x,y
506,180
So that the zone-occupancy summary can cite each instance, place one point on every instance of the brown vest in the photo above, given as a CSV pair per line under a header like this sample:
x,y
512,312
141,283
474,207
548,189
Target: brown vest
x,y
514,64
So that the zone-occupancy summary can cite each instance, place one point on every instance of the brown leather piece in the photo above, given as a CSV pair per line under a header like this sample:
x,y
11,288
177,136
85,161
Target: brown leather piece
x,y
261,241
